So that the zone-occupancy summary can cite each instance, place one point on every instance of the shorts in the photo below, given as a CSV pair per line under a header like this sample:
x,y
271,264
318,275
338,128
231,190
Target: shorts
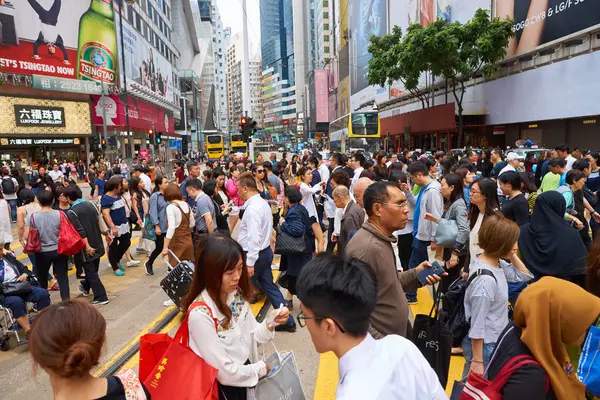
x,y
235,210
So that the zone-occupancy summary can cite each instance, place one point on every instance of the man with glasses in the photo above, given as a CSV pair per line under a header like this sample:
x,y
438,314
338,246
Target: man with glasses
x,y
386,207
338,298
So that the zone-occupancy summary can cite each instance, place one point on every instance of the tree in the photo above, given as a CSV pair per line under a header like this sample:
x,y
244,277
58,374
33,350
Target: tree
x,y
454,51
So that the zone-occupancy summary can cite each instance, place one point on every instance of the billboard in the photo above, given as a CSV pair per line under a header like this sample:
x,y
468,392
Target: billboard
x,y
28,116
58,38
321,95
366,18
146,69
535,26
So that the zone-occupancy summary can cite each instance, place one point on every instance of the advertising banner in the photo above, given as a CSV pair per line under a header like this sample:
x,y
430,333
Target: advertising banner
x,y
536,25
321,95
146,69
366,18
27,116
59,38
142,115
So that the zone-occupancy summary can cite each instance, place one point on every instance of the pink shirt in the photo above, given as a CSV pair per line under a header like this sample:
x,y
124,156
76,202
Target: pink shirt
x,y
232,192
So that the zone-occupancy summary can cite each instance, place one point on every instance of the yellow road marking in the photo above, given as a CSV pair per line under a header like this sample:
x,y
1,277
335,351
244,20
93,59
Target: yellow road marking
x,y
133,341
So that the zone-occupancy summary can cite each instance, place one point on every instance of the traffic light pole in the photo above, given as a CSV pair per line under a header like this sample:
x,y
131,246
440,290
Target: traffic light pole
x,y
153,143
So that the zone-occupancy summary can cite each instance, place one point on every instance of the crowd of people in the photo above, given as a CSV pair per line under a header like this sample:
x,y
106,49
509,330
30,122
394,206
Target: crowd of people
x,y
522,232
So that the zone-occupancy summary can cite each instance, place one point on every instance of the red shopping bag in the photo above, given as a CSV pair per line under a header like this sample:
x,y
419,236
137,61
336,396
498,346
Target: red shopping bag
x,y
179,373
152,347
69,241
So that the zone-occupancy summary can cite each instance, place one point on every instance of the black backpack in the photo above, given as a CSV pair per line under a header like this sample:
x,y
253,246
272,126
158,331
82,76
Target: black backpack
x,y
453,307
8,186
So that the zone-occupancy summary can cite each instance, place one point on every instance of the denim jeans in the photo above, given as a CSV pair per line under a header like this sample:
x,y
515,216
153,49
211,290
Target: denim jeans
x,y
488,348
263,278
13,208
418,255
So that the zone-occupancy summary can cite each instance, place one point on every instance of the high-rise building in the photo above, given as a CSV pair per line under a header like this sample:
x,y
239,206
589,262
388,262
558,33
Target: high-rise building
x,y
235,94
320,42
278,69
220,38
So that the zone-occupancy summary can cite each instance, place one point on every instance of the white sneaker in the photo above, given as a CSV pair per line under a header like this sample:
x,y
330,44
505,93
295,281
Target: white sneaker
x,y
133,263
169,303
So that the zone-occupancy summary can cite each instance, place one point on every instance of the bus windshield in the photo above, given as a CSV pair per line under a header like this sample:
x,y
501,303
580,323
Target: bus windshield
x,y
238,149
365,124
369,145
236,137
214,139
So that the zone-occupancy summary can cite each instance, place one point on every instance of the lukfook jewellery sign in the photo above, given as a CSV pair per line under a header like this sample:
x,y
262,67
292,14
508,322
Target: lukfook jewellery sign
x,y
39,116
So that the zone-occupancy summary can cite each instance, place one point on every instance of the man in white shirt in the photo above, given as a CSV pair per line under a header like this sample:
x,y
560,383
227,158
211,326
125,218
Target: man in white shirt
x,y
564,153
393,159
357,163
337,299
323,168
335,162
56,175
513,162
145,178
255,238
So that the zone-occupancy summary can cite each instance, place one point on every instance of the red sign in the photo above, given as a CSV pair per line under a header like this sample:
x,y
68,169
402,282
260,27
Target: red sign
x,y
142,115
144,153
286,122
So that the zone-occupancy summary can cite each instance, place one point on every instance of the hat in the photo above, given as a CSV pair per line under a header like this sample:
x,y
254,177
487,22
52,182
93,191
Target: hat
x,y
513,156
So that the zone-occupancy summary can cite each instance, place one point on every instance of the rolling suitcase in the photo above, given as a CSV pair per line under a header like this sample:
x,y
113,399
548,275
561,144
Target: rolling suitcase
x,y
178,280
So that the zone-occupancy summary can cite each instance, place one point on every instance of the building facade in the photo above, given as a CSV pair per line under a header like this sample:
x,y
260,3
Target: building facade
x,y
221,37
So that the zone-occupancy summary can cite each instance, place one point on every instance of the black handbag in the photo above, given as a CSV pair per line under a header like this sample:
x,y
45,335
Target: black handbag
x,y
434,339
177,282
289,245
590,196
16,288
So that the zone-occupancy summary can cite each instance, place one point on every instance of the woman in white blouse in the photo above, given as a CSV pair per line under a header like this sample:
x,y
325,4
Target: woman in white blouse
x,y
180,222
222,330
308,201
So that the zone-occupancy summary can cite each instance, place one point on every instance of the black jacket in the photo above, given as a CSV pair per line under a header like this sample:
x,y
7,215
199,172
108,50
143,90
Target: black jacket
x,y
10,258
529,381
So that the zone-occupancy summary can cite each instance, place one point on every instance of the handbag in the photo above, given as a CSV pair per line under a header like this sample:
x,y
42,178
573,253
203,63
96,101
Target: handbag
x,y
434,339
282,382
69,241
178,281
446,233
588,370
149,231
289,245
16,288
34,244
176,371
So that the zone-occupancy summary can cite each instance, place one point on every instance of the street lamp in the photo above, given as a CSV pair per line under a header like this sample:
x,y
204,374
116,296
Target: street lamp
x,y
131,140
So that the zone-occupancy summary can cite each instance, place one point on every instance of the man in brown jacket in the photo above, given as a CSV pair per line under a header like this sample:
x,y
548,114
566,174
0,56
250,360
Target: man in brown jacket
x,y
386,207
353,216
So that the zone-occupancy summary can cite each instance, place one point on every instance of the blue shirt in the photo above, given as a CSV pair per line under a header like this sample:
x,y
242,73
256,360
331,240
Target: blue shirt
x,y
563,179
545,168
117,209
418,209
467,195
593,181
100,185
191,202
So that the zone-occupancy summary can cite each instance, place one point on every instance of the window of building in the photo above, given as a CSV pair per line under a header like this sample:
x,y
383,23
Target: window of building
x,y
130,14
143,6
138,22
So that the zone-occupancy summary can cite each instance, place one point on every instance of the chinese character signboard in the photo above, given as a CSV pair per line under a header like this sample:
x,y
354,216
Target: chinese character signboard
x,y
25,142
39,116
29,116
64,39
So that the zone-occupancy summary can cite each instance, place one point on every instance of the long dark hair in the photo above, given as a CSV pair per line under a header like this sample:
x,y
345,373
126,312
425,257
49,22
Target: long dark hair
x,y
489,190
457,193
218,254
157,182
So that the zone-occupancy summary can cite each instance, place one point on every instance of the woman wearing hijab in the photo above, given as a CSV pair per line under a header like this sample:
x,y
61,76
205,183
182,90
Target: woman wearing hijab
x,y
549,245
549,315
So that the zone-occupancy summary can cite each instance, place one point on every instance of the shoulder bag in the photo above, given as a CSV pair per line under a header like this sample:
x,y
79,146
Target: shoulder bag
x,y
69,241
34,244
289,245
446,233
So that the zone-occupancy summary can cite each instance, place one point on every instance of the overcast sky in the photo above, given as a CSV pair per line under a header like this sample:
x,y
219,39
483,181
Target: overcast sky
x,y
232,14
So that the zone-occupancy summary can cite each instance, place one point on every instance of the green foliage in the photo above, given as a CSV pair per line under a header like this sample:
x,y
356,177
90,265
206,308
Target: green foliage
x,y
454,51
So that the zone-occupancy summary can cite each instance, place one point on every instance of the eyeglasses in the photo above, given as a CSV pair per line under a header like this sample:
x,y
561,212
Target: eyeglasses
x,y
303,318
260,171
402,204
474,191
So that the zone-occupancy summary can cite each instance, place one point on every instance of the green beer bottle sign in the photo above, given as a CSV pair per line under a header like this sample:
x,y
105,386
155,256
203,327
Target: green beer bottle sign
x,y
97,55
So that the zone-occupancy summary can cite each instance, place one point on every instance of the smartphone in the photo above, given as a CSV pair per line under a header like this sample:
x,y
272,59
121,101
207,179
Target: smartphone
x,y
436,269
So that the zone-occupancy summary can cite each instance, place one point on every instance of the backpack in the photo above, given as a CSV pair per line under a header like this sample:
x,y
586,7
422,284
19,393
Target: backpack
x,y
8,186
453,307
567,193
479,388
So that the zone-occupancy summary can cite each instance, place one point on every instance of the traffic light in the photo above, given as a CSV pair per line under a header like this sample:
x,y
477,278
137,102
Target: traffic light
x,y
247,128
151,136
103,144
158,138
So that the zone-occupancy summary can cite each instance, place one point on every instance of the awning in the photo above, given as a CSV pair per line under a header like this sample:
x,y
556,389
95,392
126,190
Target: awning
x,y
432,119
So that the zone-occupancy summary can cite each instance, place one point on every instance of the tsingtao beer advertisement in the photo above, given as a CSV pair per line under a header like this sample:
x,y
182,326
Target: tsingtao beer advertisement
x,y
72,39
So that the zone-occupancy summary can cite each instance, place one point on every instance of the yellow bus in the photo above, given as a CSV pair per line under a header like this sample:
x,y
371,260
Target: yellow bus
x,y
355,131
215,147
239,148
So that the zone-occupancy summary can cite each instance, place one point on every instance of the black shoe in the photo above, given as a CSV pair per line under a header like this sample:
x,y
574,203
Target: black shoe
x,y
286,328
149,270
99,302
